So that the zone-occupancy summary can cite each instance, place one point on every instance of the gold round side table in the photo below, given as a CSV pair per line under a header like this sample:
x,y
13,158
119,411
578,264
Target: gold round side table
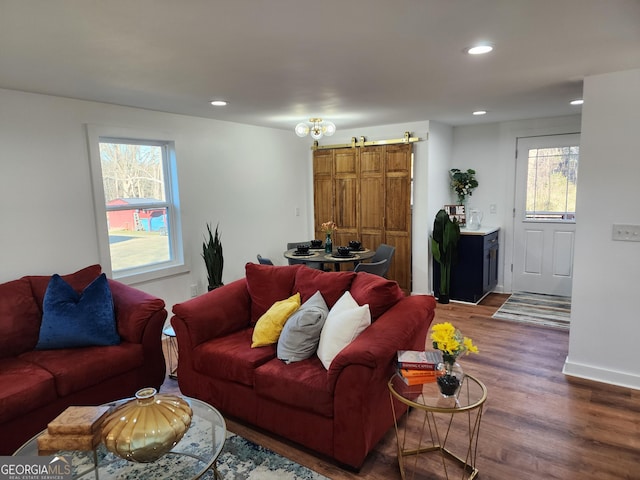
x,y
433,422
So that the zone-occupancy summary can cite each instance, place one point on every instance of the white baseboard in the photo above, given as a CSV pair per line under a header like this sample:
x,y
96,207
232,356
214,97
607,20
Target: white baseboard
x,y
597,374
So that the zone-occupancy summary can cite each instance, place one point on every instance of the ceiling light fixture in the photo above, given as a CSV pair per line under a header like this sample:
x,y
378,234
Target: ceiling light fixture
x,y
317,129
479,49
578,101
480,112
219,103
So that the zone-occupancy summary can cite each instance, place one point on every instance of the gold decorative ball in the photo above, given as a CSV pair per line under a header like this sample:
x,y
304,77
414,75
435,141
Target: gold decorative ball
x,y
145,428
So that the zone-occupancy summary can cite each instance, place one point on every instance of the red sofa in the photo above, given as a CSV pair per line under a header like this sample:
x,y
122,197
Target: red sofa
x,y
36,385
342,412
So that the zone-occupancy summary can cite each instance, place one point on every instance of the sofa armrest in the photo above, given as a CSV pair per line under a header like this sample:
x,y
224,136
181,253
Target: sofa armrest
x,y
133,309
402,327
217,313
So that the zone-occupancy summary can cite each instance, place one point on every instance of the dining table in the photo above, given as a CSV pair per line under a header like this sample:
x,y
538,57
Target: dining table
x,y
318,255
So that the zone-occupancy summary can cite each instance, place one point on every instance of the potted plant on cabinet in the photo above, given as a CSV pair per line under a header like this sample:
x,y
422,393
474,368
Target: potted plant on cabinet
x,y
463,183
444,247
213,258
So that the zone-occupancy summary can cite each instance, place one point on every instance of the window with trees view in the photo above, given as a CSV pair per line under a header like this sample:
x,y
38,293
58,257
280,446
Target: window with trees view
x,y
552,177
136,186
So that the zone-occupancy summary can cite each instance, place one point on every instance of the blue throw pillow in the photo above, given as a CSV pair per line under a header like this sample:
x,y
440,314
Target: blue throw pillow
x,y
72,320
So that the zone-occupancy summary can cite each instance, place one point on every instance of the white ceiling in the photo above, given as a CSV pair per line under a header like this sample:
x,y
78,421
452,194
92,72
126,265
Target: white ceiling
x,y
355,62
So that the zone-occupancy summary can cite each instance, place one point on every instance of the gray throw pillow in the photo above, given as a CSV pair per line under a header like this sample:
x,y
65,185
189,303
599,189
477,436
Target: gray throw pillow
x,y
301,334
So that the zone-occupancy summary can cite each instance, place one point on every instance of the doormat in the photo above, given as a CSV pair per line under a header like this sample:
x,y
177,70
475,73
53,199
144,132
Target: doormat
x,y
242,459
537,309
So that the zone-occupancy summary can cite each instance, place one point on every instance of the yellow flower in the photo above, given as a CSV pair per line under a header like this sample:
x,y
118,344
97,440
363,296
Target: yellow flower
x,y
450,341
469,346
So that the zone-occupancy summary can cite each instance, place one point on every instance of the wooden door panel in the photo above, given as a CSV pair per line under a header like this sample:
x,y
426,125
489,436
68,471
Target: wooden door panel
x,y
397,204
323,205
323,163
371,161
398,270
370,240
346,205
371,203
398,159
346,162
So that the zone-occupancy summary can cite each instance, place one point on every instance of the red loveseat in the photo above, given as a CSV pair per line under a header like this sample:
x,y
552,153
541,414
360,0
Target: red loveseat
x,y
341,412
36,385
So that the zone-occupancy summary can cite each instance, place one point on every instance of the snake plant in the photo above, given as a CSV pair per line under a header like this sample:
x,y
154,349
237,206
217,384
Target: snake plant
x,y
213,258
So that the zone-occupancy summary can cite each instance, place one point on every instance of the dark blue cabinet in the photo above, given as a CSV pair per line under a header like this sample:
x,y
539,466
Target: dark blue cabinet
x,y
476,272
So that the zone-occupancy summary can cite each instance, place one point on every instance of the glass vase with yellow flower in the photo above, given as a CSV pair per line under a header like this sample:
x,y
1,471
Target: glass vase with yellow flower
x,y
450,341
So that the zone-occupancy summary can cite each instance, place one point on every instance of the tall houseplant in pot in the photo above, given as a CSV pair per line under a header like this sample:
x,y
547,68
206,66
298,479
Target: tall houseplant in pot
x,y
213,258
444,247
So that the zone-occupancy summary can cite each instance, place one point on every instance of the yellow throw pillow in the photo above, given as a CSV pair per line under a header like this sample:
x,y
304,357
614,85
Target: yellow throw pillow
x,y
270,325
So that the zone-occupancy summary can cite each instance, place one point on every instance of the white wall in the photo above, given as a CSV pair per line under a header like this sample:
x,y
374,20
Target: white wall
x,y
604,333
489,149
249,179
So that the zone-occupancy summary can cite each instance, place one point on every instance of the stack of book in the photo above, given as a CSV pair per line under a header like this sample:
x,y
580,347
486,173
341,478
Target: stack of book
x,y
416,367
77,428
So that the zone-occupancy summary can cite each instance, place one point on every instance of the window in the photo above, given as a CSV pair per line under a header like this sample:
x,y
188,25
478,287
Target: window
x,y
552,177
136,206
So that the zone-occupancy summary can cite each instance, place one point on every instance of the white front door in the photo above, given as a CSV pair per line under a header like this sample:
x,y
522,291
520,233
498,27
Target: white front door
x,y
544,214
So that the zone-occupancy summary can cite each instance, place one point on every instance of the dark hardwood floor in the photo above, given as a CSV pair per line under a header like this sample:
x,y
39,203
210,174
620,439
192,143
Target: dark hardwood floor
x,y
537,422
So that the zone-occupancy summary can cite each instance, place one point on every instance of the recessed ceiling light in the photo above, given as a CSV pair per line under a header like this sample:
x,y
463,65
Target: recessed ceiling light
x,y
480,112
479,49
578,101
218,103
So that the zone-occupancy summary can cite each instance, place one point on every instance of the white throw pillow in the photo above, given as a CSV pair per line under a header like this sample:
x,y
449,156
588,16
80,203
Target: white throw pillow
x,y
346,320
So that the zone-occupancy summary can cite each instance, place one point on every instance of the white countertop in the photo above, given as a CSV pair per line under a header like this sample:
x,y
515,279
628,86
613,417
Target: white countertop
x,y
483,230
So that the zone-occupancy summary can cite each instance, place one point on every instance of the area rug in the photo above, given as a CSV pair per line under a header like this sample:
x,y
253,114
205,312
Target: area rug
x,y
242,459
538,309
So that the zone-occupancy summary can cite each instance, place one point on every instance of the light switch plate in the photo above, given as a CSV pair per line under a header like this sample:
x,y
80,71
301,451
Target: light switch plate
x,y
626,233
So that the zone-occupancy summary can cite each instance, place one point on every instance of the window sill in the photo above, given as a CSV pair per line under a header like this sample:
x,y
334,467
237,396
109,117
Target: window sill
x,y
149,275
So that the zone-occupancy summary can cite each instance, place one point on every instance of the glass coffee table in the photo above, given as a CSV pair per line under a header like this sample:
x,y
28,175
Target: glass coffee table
x,y
194,456
435,423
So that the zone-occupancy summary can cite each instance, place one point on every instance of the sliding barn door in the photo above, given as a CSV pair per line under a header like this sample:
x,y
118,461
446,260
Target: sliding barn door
x,y
367,192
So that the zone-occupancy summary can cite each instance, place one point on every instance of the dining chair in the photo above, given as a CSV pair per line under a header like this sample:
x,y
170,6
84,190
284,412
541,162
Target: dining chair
x,y
377,268
384,252
292,261
264,260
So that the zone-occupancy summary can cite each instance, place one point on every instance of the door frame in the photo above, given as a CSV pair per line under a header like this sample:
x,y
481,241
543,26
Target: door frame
x,y
514,216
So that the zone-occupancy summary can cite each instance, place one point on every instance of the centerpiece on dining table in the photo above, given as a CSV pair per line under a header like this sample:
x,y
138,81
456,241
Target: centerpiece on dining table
x,y
328,228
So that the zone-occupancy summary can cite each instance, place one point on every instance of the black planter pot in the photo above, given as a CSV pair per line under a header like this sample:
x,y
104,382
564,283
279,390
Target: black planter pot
x,y
443,298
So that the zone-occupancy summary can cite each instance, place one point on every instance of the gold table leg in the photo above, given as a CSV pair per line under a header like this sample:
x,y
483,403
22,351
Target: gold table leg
x,y
437,441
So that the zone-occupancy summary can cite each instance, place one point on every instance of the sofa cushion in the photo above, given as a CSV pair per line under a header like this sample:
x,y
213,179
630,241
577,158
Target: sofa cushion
x,y
75,369
270,325
19,318
301,384
346,320
23,387
78,281
231,357
71,320
381,294
330,284
268,284
301,334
